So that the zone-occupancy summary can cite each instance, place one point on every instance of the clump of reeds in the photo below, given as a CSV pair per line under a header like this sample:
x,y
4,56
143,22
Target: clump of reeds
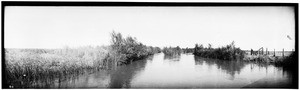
x,y
172,51
187,50
229,52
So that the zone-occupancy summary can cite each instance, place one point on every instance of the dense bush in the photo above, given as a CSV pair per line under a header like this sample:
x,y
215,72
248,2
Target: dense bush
x,y
124,50
172,50
229,52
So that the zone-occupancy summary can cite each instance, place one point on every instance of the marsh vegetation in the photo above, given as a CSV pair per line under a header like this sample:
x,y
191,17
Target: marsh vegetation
x,y
26,67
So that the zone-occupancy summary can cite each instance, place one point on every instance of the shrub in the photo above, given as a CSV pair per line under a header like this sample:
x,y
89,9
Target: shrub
x,y
129,49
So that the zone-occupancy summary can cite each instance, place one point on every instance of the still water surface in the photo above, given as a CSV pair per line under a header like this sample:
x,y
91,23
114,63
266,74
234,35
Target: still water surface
x,y
184,71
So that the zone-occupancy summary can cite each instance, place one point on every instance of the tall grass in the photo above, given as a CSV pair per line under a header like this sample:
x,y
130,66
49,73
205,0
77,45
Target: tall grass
x,y
228,52
25,66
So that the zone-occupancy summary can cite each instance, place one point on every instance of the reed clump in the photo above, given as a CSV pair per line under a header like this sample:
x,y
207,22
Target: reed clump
x,y
187,50
228,52
171,51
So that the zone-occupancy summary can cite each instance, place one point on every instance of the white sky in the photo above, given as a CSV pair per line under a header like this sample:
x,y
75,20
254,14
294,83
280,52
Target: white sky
x,y
56,27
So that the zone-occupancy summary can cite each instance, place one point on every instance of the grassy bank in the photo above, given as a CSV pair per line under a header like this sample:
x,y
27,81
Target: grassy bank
x,y
228,52
25,68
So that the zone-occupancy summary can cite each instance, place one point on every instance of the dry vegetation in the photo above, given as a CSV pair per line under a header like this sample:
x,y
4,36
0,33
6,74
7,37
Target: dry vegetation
x,y
24,66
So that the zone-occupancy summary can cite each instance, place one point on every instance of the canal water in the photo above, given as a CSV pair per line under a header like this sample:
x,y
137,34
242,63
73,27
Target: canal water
x,y
184,71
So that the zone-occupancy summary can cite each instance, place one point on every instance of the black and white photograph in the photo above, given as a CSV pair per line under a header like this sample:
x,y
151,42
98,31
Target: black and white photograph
x,y
149,45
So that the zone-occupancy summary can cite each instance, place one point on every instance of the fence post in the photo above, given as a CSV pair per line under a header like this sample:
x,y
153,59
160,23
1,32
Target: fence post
x,y
267,52
283,52
262,51
274,52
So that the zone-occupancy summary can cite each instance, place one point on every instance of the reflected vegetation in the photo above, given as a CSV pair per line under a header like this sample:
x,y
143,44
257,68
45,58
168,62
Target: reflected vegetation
x,y
172,57
292,74
122,76
230,67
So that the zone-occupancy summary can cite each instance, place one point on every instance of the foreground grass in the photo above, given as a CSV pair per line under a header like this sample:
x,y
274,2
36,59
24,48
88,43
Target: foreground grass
x,y
25,66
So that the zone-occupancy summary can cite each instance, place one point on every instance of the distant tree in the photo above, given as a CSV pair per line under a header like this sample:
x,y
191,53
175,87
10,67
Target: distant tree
x,y
196,48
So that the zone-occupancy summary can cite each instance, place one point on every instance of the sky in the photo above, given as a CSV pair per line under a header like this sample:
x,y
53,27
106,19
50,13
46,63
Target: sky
x,y
57,27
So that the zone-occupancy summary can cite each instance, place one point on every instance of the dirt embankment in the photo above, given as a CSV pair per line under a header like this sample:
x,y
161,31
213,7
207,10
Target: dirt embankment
x,y
263,58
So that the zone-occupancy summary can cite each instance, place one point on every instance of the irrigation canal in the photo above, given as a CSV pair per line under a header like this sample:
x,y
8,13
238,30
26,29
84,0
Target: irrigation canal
x,y
184,71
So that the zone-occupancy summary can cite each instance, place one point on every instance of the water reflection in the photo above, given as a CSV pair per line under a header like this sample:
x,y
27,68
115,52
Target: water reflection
x,y
172,57
230,67
122,77
293,76
88,79
118,78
